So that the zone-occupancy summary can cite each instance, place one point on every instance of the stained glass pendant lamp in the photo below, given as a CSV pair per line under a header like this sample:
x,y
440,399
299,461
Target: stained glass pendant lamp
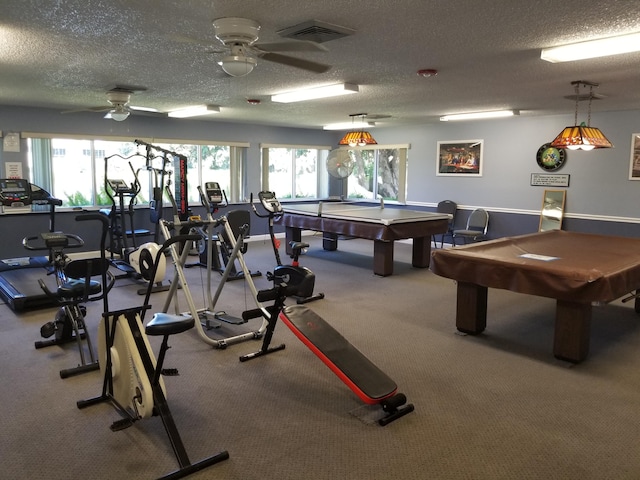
x,y
583,136
358,138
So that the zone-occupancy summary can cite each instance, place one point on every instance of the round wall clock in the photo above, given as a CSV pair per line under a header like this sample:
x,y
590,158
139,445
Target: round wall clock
x,y
550,158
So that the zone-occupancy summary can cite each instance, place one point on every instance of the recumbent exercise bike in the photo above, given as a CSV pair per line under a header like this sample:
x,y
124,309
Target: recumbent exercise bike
x,y
75,287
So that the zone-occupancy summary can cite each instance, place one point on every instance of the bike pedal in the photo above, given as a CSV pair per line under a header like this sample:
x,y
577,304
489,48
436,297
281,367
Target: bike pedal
x,y
121,424
170,372
47,330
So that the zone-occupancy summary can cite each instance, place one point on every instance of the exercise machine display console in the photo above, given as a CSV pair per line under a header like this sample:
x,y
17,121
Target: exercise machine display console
x,y
270,203
119,186
15,192
214,193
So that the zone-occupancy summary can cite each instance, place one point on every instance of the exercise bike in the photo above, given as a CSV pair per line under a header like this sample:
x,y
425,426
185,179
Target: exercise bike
x,y
132,380
75,287
293,275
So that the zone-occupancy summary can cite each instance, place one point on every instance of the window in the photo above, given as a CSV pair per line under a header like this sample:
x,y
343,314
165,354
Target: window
x,y
74,170
378,173
295,172
206,163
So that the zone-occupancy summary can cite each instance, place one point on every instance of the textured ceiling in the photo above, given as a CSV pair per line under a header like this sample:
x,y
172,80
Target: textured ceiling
x,y
65,54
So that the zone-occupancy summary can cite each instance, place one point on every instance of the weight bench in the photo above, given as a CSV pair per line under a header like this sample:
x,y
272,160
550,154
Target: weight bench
x,y
361,375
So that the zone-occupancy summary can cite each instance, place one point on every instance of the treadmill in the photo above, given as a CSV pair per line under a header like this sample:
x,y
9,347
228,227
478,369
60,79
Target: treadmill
x,y
19,286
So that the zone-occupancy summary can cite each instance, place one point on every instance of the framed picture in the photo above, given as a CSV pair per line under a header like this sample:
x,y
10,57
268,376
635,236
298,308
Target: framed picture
x,y
460,157
634,161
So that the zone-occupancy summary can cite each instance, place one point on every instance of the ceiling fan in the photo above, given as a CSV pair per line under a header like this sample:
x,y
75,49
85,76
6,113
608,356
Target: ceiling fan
x,y
240,35
119,108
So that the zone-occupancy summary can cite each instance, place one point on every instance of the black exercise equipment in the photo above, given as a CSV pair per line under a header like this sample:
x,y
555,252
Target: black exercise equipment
x,y
213,198
75,288
361,375
294,274
19,276
125,254
123,199
158,178
132,380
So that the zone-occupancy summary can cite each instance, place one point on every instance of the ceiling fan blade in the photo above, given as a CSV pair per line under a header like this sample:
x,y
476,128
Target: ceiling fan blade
x,y
88,109
296,62
297,46
99,109
146,113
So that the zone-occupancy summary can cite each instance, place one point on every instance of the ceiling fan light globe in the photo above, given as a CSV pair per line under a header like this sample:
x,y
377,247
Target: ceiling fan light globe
x,y
119,116
237,66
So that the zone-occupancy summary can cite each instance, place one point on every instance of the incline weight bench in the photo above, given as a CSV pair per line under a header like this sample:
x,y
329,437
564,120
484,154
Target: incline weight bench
x,y
361,375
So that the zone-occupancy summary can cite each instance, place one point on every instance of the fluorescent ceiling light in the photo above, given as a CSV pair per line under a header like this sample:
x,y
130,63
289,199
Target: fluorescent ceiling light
x,y
592,48
479,115
313,93
145,109
348,125
194,111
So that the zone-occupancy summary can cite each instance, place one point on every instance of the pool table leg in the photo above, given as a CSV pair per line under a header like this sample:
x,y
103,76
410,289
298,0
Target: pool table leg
x,y
329,241
383,258
471,308
573,331
421,254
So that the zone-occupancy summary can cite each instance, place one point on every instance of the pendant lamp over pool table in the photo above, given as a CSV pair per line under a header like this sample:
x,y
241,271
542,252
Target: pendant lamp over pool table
x,y
358,138
583,136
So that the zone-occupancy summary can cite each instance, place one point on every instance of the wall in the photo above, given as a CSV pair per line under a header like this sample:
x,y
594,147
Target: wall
x,y
600,197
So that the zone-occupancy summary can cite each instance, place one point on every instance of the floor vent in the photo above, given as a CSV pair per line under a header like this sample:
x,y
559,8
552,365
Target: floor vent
x,y
316,31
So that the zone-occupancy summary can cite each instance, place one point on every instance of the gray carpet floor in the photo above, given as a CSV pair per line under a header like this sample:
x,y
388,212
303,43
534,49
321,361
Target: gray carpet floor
x,y
494,406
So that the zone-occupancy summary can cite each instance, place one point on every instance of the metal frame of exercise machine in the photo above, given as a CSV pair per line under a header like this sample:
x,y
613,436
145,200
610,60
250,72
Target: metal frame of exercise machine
x,y
136,260
208,314
132,380
212,199
19,277
75,287
295,274
361,375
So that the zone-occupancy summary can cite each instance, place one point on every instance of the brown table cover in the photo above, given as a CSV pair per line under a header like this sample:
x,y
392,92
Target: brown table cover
x,y
572,266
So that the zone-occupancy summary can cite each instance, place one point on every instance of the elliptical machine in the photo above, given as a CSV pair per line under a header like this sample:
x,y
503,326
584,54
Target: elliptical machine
x,y
301,278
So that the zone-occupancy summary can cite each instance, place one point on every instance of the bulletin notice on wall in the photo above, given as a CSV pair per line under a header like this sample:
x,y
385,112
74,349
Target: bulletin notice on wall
x,y
550,180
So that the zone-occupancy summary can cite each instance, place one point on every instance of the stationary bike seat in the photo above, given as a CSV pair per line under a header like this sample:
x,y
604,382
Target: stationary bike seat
x,y
168,324
74,288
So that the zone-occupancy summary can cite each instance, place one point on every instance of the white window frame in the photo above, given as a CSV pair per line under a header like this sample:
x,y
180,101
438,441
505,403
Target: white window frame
x,y
322,178
237,154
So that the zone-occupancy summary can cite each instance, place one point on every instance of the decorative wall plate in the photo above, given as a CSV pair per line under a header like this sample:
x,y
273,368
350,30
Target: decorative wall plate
x,y
550,158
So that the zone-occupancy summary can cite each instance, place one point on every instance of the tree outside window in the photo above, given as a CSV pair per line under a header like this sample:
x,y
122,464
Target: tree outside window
x,y
376,174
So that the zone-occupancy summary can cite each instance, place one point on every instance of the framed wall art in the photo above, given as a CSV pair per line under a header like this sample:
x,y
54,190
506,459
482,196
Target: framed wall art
x,y
634,160
460,157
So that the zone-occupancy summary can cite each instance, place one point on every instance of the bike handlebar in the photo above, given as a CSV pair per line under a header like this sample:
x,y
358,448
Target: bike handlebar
x,y
49,240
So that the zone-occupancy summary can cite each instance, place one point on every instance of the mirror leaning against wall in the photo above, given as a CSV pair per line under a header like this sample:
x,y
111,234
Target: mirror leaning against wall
x,y
552,210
